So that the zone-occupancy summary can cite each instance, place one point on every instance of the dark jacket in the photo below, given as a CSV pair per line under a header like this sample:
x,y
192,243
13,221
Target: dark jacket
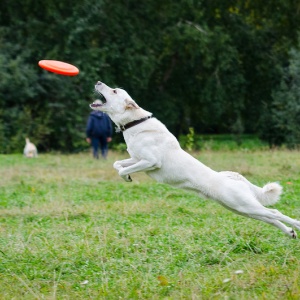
x,y
98,125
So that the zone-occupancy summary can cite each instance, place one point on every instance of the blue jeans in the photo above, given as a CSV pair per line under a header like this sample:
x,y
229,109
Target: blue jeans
x,y
102,141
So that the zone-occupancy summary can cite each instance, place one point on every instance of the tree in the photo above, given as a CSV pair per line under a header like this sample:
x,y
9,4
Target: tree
x,y
210,65
281,123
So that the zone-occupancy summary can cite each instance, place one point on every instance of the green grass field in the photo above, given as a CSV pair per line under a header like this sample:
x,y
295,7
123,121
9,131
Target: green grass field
x,y
72,229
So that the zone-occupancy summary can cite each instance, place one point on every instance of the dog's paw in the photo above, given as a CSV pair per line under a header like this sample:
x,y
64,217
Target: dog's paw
x,y
293,234
127,178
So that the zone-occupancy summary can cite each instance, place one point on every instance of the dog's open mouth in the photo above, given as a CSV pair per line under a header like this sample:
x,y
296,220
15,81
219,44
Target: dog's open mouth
x,y
98,102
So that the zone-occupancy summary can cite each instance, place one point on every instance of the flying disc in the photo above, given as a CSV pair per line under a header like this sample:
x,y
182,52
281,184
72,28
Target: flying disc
x,y
59,67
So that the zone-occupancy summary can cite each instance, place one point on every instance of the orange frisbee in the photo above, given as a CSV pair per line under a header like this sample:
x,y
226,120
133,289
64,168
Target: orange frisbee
x,y
59,67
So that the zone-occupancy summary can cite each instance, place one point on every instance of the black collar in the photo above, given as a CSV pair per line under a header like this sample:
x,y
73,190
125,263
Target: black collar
x,y
131,124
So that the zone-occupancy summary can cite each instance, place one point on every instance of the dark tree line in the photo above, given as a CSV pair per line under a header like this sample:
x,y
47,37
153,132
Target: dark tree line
x,y
219,66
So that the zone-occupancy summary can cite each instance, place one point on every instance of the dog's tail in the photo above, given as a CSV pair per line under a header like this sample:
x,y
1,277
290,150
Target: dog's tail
x,y
268,194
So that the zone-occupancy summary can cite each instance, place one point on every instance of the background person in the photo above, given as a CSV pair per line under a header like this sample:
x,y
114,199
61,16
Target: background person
x,y
99,132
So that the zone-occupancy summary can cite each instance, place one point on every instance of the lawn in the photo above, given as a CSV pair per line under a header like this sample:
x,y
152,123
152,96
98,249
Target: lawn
x,y
72,229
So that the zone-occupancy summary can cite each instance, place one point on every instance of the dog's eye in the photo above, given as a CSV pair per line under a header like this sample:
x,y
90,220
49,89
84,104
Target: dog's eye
x,y
115,91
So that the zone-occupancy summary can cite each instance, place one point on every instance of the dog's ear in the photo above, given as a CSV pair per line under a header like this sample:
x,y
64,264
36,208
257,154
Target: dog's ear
x,y
130,104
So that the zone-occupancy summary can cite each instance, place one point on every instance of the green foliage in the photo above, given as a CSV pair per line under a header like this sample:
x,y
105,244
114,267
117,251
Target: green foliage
x,y
121,147
190,139
208,65
282,121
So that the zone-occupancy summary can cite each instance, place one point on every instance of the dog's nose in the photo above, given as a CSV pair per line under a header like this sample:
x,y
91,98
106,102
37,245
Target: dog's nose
x,y
99,83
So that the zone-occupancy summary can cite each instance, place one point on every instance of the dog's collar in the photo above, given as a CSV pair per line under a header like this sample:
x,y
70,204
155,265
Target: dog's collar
x,y
122,128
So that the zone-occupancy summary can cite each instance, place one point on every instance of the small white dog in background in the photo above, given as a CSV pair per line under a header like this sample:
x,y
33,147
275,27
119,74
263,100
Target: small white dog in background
x,y
30,149
154,150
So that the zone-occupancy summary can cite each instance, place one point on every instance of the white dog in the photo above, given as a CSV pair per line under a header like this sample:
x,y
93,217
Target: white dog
x,y
154,150
30,149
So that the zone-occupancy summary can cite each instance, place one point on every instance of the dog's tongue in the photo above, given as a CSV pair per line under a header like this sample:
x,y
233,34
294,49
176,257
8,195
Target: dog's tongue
x,y
95,105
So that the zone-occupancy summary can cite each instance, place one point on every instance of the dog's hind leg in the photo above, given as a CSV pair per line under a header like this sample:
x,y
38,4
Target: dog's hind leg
x,y
271,216
287,230
283,218
274,217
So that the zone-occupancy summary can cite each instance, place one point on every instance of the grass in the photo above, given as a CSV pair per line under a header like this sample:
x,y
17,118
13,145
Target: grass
x,y
72,229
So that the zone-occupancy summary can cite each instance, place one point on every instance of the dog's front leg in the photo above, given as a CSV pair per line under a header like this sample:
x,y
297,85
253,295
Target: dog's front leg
x,y
120,164
142,165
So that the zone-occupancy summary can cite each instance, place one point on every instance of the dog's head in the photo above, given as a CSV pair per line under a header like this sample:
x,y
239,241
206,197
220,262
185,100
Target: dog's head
x,y
113,101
